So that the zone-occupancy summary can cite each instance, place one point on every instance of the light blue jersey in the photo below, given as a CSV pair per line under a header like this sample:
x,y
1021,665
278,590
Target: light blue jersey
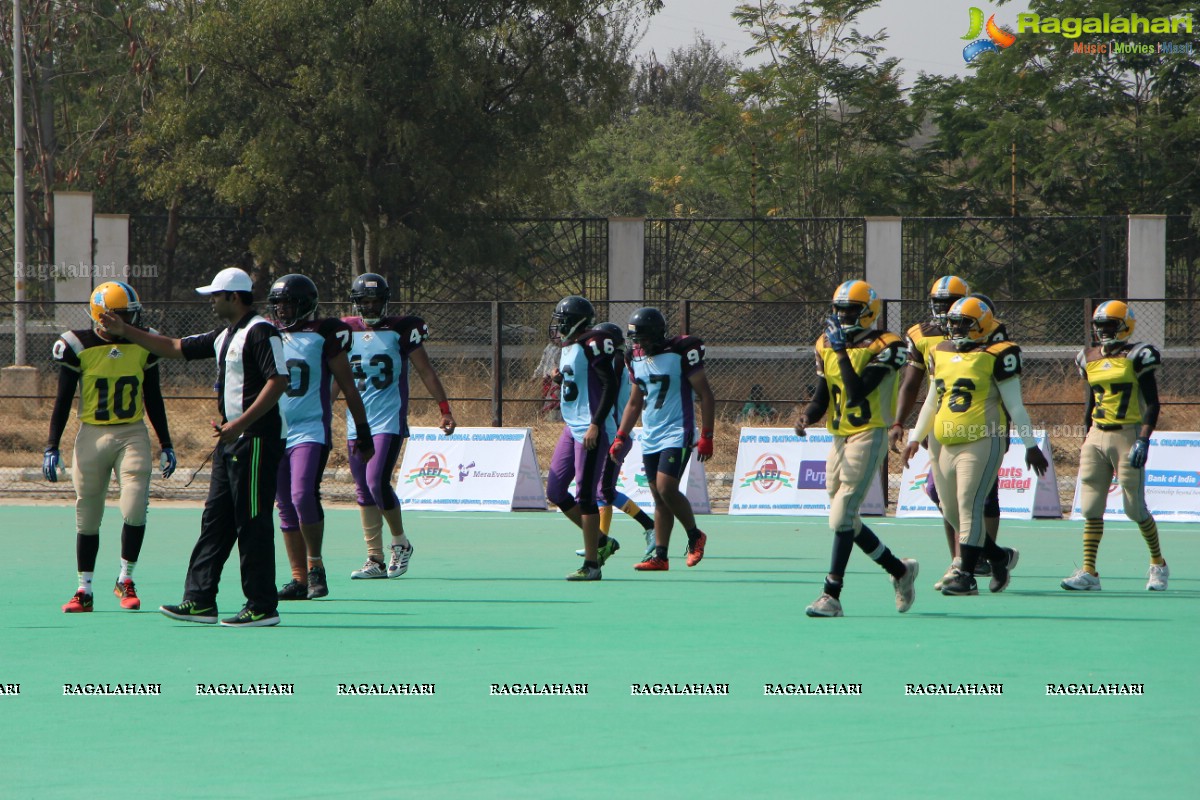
x,y
306,404
582,388
668,414
379,362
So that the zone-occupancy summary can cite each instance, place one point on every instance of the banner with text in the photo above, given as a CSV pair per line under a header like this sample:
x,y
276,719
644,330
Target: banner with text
x,y
781,473
475,469
1023,495
1172,481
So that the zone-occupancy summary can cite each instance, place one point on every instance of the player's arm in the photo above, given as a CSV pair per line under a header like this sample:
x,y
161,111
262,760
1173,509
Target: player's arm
x,y
816,407
429,377
708,412
629,417
1010,394
156,412
161,346
68,381
606,374
343,379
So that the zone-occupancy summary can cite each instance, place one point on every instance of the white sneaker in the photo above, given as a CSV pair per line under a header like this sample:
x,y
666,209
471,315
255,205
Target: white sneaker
x,y
399,563
1082,581
371,569
825,606
906,587
1158,575
955,565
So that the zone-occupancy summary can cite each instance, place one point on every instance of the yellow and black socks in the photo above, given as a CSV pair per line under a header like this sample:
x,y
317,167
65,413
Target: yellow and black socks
x,y
1093,531
1150,533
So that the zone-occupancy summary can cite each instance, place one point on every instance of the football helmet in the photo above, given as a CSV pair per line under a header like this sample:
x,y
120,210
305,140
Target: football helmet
x,y
856,306
370,295
117,297
648,330
293,299
942,294
613,330
970,321
572,316
1113,322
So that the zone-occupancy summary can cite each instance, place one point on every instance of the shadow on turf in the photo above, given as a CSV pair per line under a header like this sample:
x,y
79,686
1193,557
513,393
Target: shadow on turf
x,y
1031,617
444,600
463,628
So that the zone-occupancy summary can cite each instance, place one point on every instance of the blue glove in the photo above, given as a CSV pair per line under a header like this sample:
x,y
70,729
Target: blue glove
x,y
50,464
167,462
835,335
1138,453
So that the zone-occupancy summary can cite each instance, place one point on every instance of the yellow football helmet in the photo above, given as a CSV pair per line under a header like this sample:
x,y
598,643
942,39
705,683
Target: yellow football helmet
x,y
942,294
1113,322
117,297
856,305
969,322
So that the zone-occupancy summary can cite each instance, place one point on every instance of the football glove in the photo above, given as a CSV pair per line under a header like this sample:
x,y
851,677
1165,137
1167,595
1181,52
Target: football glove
x,y
50,464
1138,453
621,446
167,462
835,335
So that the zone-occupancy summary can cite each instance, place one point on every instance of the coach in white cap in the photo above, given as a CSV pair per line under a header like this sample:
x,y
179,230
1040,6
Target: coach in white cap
x,y
251,376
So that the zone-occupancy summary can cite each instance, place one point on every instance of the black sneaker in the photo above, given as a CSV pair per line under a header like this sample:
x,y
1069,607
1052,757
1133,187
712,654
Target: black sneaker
x,y
317,585
1001,575
191,611
294,591
983,569
960,584
251,619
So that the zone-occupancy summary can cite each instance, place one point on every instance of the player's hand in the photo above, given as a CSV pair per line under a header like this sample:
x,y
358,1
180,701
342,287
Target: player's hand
x,y
704,449
229,432
448,424
801,425
50,464
1138,453
620,447
592,437
167,462
364,442
910,450
1036,460
112,323
835,334
895,434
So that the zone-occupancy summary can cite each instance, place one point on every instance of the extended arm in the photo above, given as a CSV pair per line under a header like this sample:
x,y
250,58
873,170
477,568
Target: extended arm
x,y
161,346
429,376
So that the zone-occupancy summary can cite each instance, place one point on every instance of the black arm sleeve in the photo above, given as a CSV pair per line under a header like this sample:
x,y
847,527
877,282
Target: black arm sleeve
x,y
820,402
872,376
156,409
1090,403
1149,386
609,384
68,381
855,388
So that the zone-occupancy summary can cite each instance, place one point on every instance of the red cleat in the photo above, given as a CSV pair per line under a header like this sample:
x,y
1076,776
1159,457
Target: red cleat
x,y
80,603
695,551
653,564
128,595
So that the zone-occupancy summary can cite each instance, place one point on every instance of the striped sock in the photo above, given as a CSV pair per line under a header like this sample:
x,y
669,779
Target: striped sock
x,y
1093,529
1150,534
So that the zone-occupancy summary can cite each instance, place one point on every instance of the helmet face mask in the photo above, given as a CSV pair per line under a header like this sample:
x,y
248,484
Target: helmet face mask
x,y
1113,323
370,295
118,298
292,300
969,322
572,317
856,306
943,294
647,330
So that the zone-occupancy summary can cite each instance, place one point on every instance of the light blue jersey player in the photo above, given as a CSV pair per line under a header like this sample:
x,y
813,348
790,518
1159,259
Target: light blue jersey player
x,y
379,356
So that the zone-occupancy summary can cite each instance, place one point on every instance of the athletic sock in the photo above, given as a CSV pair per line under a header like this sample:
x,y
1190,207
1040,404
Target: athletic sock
x,y
832,589
970,557
605,519
634,510
869,543
694,534
293,543
131,541
372,522
401,540
603,540
660,552
591,564
86,548
126,571
1150,534
1093,530
85,582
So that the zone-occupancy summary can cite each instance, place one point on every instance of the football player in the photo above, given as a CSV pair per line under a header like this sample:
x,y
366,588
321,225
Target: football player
x,y
589,392
976,390
315,350
858,366
119,384
668,374
1122,410
610,496
381,348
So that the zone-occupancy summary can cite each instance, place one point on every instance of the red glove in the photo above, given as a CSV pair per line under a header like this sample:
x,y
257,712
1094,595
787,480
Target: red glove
x,y
620,447
705,447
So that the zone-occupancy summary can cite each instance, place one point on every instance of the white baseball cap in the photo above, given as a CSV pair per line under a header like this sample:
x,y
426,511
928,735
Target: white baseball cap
x,y
231,279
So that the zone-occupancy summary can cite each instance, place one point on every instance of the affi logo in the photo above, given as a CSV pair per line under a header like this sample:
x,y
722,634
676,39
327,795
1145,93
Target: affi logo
x,y
431,473
769,473
997,38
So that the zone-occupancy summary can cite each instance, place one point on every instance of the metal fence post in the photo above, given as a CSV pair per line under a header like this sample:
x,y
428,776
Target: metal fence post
x,y
497,366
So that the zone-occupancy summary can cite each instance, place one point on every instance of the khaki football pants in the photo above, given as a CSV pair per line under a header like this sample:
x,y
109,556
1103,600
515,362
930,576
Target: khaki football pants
x,y
964,475
101,450
853,463
1104,454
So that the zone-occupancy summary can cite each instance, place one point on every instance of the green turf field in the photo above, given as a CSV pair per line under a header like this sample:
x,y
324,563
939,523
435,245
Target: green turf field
x,y
484,602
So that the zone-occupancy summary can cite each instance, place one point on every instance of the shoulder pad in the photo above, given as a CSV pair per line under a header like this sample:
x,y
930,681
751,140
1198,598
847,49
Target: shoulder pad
x,y
998,348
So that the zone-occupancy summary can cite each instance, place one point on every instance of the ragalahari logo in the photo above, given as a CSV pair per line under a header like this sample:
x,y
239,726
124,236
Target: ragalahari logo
x,y
769,473
431,473
997,38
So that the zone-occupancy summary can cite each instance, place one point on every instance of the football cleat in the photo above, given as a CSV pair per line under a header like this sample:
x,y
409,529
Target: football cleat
x,y
318,586
955,565
398,565
1158,575
653,564
294,590
371,569
585,574
81,603
906,586
1002,574
960,584
1081,581
825,606
695,550
128,595
606,552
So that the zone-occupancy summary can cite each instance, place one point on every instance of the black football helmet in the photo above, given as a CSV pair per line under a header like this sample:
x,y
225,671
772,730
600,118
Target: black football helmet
x,y
370,295
613,330
292,299
648,330
573,315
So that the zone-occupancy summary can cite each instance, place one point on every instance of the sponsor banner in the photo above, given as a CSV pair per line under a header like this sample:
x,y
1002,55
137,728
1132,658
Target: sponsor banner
x,y
780,473
1023,495
631,480
475,469
1172,481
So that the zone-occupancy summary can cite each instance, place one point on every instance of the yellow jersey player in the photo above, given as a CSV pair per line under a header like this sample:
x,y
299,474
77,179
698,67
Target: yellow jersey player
x,y
119,384
976,389
1122,410
858,367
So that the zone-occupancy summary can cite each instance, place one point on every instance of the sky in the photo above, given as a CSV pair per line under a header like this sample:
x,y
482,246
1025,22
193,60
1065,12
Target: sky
x,y
923,34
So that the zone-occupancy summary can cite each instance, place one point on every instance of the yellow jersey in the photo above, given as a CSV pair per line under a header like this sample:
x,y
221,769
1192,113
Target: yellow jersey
x,y
111,376
969,406
879,349
1113,379
920,339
